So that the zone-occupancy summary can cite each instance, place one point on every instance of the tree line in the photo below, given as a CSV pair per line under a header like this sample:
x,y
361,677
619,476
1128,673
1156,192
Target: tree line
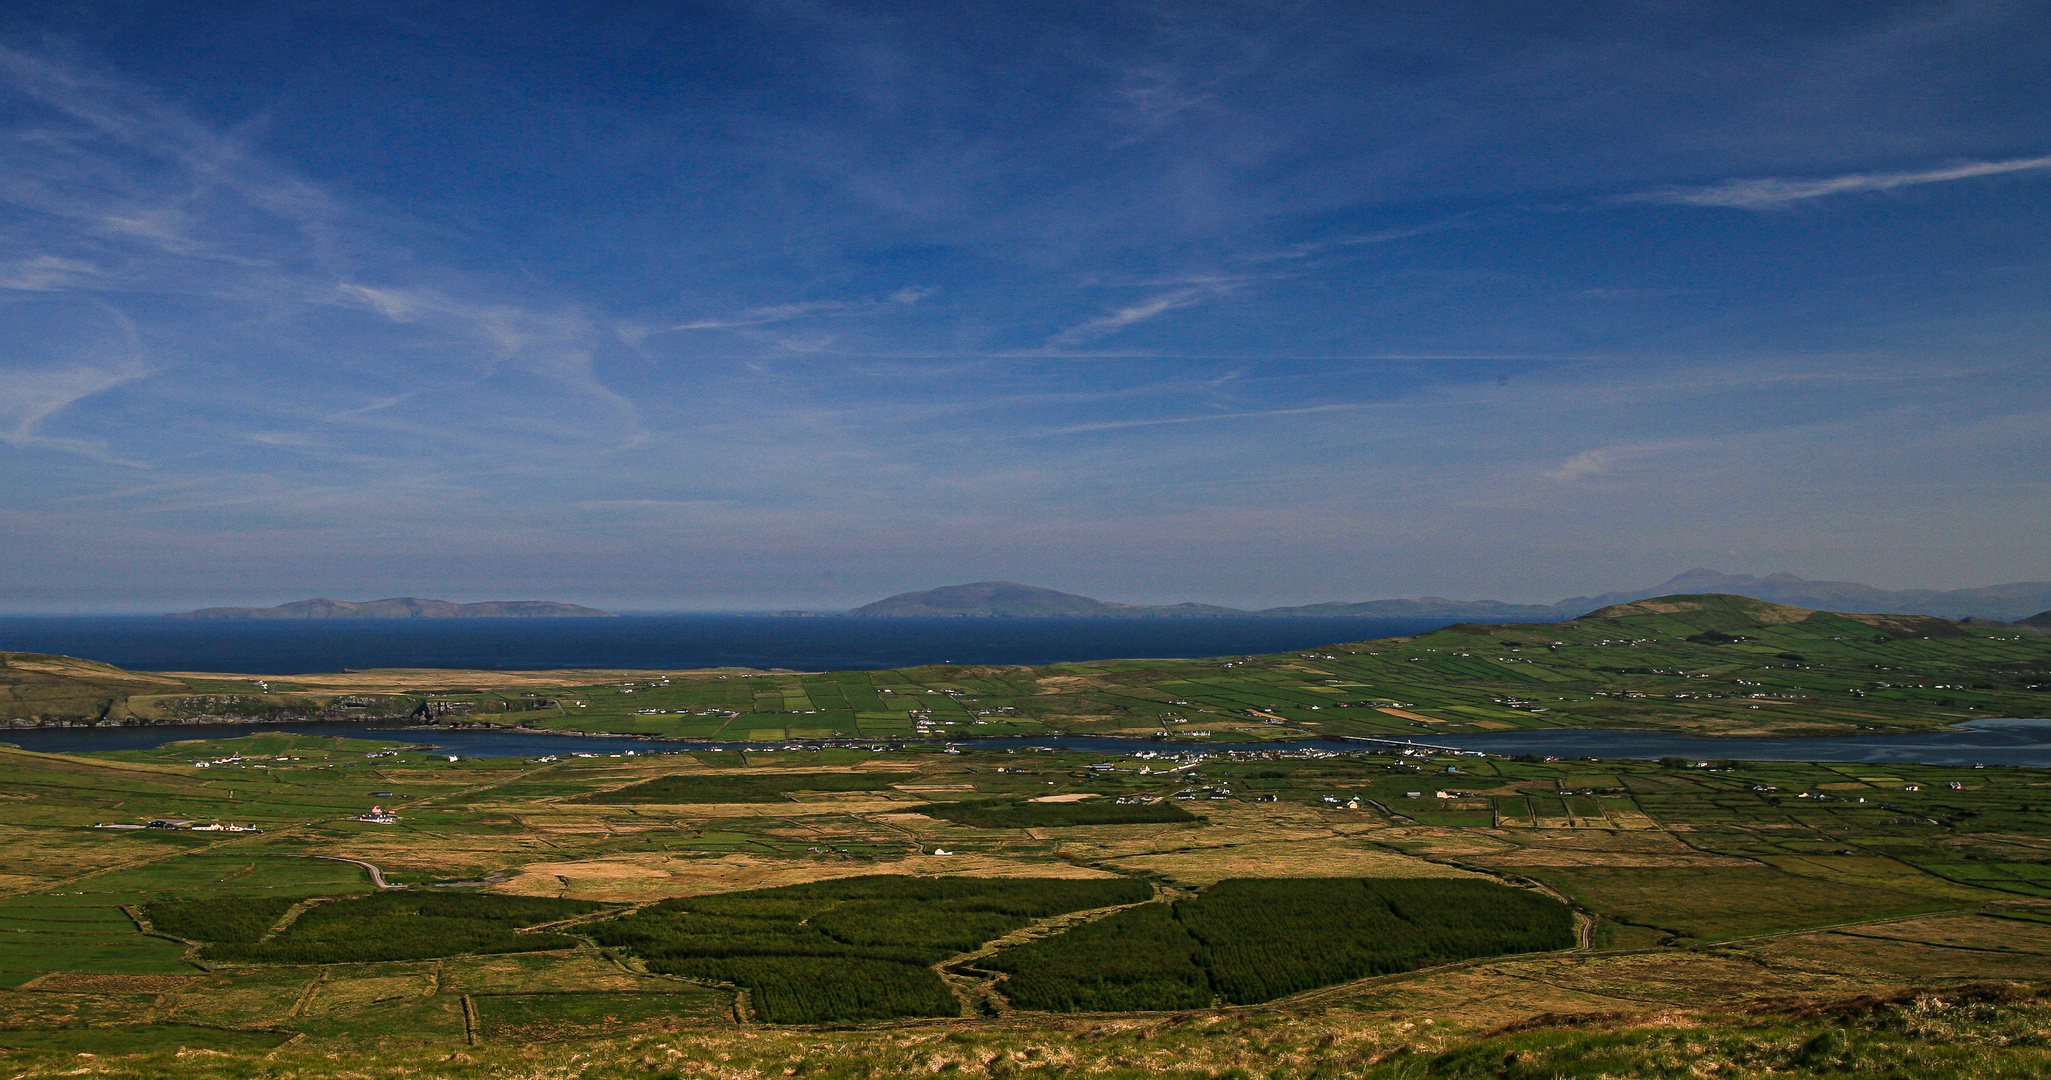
x,y
404,926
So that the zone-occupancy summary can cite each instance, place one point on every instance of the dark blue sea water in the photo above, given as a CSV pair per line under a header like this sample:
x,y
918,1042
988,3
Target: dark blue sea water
x,y
301,646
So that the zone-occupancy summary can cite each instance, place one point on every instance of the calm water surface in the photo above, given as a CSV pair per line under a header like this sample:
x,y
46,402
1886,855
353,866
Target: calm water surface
x,y
1979,742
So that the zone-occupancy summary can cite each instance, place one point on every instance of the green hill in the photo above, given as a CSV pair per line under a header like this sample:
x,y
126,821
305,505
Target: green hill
x,y
38,689
36,686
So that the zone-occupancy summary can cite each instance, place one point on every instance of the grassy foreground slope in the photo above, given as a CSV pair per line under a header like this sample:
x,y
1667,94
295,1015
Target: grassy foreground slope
x,y
1986,1034
1764,919
1718,665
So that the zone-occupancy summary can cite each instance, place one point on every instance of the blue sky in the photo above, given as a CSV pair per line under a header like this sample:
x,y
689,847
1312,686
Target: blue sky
x,y
744,305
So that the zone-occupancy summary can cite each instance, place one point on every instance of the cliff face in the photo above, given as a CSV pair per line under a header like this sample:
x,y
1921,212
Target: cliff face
x,y
401,607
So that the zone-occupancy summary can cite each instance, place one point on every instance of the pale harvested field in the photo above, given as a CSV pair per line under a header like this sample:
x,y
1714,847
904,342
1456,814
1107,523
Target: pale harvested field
x,y
520,974
407,680
52,856
1858,957
1482,1000
73,982
1456,843
270,1000
1566,857
1657,843
627,814
1969,931
348,992
1300,858
1511,989
1629,819
1690,978
641,877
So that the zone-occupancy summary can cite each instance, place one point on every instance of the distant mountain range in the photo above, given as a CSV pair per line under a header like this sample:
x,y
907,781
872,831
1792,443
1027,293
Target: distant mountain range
x,y
1009,599
401,607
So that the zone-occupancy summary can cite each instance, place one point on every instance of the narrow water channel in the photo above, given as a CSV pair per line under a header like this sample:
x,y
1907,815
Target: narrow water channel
x,y
2024,742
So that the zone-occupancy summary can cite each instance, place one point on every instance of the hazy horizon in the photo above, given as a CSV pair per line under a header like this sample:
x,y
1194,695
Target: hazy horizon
x,y
118,608
749,306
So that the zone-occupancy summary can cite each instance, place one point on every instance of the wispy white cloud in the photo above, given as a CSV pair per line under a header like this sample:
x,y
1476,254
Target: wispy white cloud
x,y
1584,465
1119,318
781,313
30,397
1769,193
1200,418
121,164
1379,236
124,199
45,273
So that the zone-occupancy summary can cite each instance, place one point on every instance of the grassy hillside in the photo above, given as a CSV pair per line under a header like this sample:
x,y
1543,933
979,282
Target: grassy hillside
x,y
36,685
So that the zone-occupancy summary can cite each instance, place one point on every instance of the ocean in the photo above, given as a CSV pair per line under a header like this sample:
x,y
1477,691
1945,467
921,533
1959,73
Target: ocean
x,y
303,646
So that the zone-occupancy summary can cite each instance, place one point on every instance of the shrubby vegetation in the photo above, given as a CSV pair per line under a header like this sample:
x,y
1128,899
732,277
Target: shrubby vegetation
x,y
1264,938
823,989
408,926
218,918
853,949
1256,939
1139,958
732,788
1021,814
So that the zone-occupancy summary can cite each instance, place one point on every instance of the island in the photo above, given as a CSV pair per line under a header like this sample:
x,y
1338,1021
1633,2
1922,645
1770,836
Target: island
x,y
401,607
